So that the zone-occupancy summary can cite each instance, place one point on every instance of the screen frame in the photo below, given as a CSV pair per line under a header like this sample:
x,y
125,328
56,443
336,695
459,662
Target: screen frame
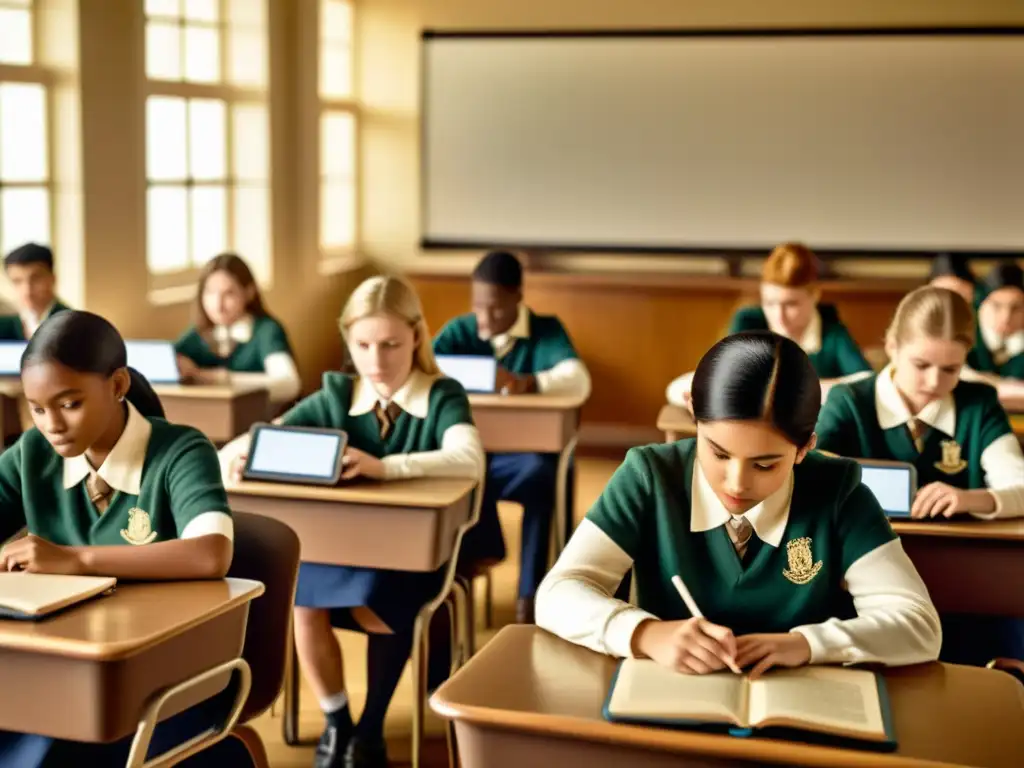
x,y
161,342
248,473
494,385
887,464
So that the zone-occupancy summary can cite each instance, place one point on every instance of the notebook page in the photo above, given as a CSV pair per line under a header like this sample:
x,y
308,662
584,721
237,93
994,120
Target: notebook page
x,y
35,593
644,689
840,699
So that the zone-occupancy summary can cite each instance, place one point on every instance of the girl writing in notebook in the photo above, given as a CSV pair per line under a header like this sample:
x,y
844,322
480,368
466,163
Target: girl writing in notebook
x,y
234,335
918,410
403,420
785,552
106,487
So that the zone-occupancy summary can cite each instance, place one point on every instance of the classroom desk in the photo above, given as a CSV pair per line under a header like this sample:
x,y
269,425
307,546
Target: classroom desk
x,y
1017,424
220,411
530,698
406,525
676,422
87,674
969,566
533,424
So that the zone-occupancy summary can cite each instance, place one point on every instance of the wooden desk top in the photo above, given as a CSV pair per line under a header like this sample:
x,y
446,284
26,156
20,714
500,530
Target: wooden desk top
x,y
1017,422
963,527
432,492
225,391
527,680
675,418
538,402
135,617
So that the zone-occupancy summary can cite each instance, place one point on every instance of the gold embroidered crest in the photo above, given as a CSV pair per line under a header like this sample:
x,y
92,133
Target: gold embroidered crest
x,y
140,530
951,462
802,567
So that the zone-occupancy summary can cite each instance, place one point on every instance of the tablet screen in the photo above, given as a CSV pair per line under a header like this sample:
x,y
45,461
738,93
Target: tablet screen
x,y
10,357
891,486
156,360
299,454
476,373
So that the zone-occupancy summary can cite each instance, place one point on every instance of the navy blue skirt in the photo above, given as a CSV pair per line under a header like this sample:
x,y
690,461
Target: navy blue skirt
x,y
395,596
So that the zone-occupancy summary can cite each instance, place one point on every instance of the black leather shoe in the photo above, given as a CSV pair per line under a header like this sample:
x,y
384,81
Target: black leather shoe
x,y
363,753
330,751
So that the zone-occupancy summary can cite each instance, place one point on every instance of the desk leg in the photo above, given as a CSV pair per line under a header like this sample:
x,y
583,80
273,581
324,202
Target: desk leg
x,y
290,724
562,515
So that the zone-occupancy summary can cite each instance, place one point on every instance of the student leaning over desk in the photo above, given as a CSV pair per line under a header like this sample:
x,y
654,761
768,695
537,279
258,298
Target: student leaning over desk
x,y
955,432
787,554
403,420
106,487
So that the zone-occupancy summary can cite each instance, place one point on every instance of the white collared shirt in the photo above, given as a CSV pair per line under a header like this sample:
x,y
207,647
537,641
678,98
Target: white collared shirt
x,y
280,375
1009,346
768,518
810,340
31,321
1002,460
122,470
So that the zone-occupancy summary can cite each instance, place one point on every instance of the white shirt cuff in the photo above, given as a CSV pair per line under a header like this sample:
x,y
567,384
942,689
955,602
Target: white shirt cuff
x,y
209,523
569,378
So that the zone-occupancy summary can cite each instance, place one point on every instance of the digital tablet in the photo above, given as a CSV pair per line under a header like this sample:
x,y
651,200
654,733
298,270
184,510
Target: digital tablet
x,y
894,484
477,373
305,455
10,357
156,360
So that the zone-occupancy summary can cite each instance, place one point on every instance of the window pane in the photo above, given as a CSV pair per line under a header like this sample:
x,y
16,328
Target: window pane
x,y
22,132
163,8
163,51
337,145
15,36
247,59
167,225
202,55
209,223
207,137
335,72
247,13
336,20
337,215
250,142
201,10
165,139
24,217
252,228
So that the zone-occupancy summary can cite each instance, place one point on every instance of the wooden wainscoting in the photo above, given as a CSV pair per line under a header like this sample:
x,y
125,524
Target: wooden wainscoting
x,y
637,333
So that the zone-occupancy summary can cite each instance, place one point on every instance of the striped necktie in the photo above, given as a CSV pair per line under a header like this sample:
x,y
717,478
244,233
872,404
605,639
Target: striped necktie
x,y
918,432
386,417
99,492
740,530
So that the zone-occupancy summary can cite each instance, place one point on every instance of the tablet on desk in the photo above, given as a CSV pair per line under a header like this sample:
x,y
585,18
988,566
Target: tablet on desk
x,y
477,373
10,357
156,360
304,455
894,484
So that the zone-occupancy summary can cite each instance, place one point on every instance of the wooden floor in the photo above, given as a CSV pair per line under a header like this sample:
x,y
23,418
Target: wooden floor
x,y
592,475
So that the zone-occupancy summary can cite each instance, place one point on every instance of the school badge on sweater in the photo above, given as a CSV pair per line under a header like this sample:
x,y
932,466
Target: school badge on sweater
x,y
140,530
802,567
951,462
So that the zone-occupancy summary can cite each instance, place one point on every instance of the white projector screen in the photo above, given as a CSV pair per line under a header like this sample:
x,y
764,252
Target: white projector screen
x,y
854,142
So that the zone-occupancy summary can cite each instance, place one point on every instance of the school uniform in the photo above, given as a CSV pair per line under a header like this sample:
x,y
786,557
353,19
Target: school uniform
x,y
963,440
992,353
538,345
817,557
21,326
160,482
254,349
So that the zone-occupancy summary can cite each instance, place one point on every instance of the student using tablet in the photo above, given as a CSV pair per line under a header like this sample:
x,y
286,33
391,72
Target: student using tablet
x,y
234,332
30,270
790,307
535,354
998,351
954,432
785,552
403,420
106,487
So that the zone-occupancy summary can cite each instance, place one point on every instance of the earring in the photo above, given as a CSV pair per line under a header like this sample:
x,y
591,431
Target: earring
x,y
120,399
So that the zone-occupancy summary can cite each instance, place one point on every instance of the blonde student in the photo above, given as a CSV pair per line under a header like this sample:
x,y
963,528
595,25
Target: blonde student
x,y
918,410
790,306
786,553
403,420
106,487
234,333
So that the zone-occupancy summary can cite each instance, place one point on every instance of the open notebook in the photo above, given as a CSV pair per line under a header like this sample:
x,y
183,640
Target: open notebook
x,y
36,595
833,702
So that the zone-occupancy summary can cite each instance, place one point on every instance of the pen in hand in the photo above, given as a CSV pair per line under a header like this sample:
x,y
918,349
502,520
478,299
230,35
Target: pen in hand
x,y
691,604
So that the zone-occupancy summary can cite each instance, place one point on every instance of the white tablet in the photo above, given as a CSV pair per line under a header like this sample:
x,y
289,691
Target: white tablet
x,y
156,360
477,373
10,357
304,455
893,483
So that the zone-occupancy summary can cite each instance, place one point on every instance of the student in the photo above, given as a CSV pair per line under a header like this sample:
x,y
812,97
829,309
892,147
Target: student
x,y
107,487
403,420
953,272
998,351
535,354
233,331
785,551
790,307
954,432
30,270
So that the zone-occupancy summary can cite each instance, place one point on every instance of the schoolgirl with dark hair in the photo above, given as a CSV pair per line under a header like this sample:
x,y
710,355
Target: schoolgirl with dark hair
x,y
789,557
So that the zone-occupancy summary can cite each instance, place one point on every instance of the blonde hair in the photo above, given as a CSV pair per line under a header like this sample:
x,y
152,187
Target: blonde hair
x,y
937,313
393,296
792,265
